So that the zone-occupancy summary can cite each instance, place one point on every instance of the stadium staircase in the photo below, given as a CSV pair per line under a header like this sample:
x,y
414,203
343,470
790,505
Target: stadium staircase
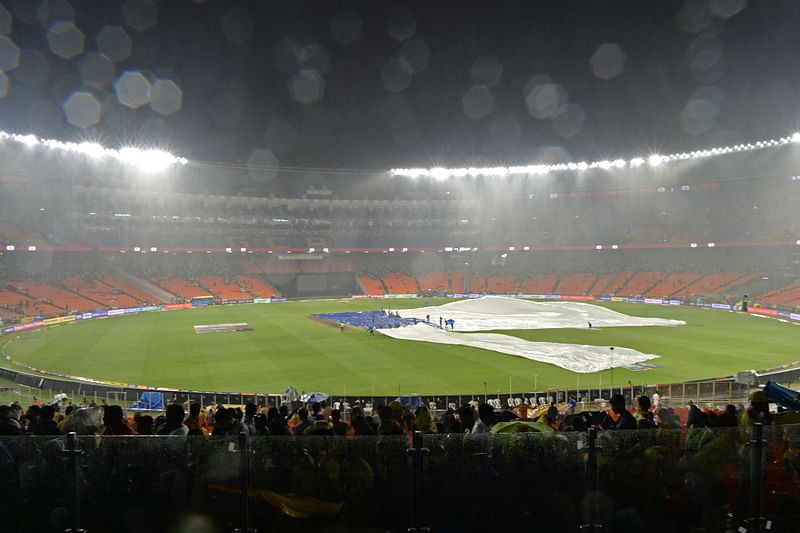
x,y
222,289
397,283
140,286
640,283
540,284
181,288
601,284
672,284
617,282
256,286
117,285
62,299
433,282
576,284
99,292
739,283
371,286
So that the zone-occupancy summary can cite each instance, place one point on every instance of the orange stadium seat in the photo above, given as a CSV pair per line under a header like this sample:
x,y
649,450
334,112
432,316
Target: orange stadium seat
x,y
371,286
575,284
640,283
400,284
433,281
117,284
501,284
709,284
601,284
61,298
788,296
540,284
477,284
617,282
180,287
673,284
223,289
99,292
457,282
257,287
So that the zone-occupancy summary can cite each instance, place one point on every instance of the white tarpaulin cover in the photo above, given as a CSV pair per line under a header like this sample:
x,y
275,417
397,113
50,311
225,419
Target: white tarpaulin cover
x,y
492,313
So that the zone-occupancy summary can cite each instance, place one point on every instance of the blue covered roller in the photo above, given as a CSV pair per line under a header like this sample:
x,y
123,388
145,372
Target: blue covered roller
x,y
783,396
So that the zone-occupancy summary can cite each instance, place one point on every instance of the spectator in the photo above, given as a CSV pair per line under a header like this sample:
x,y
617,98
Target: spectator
x,y
758,411
305,423
85,421
486,419
624,419
276,422
9,425
114,421
173,425
195,421
316,411
260,425
359,422
389,426
339,427
466,419
46,424
144,425
423,422
248,421
644,417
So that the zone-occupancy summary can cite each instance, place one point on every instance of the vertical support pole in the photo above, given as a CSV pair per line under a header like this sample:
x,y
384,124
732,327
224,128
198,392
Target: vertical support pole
x,y
73,483
591,483
757,479
244,482
418,475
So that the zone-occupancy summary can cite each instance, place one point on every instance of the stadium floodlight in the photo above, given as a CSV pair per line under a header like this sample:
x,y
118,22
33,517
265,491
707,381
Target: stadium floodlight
x,y
693,245
242,249
153,249
11,247
327,250
137,249
655,160
526,248
404,250
511,248
796,138
614,246
711,245
391,249
31,248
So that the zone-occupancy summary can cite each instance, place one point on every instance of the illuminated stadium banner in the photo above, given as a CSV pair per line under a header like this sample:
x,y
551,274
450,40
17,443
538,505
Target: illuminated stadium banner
x,y
262,300
400,296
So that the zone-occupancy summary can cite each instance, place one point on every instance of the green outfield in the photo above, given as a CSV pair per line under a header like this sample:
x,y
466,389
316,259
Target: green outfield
x,y
285,348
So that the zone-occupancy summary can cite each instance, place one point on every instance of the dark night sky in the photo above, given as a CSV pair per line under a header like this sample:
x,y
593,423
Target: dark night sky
x,y
374,85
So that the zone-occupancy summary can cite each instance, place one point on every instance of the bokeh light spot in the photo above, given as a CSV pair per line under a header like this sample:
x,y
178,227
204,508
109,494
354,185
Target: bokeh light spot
x,y
487,71
166,97
114,43
608,61
543,97
698,115
504,131
346,26
133,89
82,109
33,67
96,70
416,54
727,8
3,85
401,23
478,102
262,165
307,86
238,24
396,74
140,15
280,136
9,54
65,39
6,21
569,121
50,11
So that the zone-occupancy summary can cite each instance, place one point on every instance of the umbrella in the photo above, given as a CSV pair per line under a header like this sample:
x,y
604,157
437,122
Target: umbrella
x,y
783,396
311,397
520,426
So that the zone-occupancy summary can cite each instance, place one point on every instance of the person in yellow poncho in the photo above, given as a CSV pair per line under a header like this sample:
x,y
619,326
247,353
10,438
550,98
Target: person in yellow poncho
x,y
423,422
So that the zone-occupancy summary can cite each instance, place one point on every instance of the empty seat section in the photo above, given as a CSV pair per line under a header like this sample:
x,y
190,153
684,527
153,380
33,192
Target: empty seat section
x,y
540,284
640,283
672,284
477,284
787,296
617,282
501,284
708,284
400,284
180,287
434,281
257,287
99,292
249,267
371,286
457,282
575,284
600,285
63,299
224,289
117,284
